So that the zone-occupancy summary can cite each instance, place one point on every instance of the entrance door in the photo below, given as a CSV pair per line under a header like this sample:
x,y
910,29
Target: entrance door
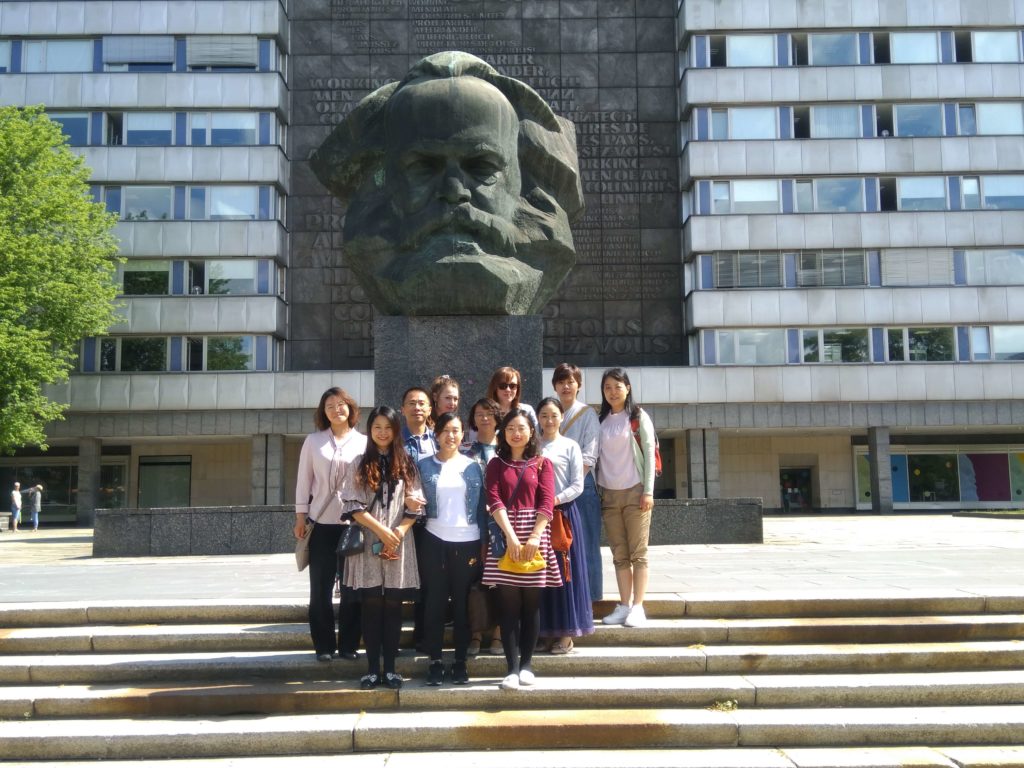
x,y
165,481
795,487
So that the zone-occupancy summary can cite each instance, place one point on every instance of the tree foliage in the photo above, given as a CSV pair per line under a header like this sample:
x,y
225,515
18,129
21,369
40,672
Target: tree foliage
x,y
57,261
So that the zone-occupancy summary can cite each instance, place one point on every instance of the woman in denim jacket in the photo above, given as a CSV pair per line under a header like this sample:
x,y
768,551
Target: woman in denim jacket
x,y
450,555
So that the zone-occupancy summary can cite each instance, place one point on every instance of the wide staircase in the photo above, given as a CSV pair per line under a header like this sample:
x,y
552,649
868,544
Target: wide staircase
x,y
904,679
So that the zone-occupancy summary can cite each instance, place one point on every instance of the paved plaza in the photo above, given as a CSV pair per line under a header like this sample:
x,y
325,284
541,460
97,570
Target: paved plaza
x,y
801,555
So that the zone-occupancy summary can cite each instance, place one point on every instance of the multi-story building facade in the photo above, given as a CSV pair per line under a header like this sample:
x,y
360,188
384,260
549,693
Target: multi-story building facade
x,y
805,234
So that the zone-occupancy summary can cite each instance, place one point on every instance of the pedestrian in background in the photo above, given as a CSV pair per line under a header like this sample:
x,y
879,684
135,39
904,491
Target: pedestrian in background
x,y
15,507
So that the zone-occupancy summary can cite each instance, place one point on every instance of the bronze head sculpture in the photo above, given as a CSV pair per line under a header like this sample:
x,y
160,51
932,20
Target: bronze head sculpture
x,y
461,185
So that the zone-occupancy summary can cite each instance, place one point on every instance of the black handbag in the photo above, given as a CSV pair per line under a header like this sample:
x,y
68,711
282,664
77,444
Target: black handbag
x,y
352,541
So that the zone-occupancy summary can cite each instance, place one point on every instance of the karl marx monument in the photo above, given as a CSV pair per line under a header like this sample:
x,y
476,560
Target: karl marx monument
x,y
460,186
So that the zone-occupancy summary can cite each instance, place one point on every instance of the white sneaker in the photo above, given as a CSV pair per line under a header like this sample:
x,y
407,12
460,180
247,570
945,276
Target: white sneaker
x,y
637,617
618,616
526,677
510,683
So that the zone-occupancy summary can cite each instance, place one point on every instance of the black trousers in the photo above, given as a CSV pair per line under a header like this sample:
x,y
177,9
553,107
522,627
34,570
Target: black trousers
x,y
450,569
520,625
323,567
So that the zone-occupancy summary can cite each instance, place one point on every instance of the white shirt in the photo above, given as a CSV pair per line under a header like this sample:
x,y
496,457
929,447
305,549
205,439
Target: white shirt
x,y
16,499
452,522
617,467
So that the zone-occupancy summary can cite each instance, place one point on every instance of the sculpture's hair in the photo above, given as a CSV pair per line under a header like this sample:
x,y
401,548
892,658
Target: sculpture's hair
x,y
547,143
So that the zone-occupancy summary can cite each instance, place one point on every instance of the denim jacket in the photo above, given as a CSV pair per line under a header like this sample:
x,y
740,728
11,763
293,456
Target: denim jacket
x,y
430,469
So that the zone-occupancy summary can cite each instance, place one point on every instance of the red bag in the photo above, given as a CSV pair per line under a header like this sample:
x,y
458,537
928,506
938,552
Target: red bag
x,y
561,540
635,425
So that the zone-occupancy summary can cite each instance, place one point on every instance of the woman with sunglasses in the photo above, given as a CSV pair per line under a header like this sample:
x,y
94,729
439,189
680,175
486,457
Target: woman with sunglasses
x,y
384,574
505,388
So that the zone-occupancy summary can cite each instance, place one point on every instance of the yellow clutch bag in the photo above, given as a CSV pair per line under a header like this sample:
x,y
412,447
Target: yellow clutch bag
x,y
506,563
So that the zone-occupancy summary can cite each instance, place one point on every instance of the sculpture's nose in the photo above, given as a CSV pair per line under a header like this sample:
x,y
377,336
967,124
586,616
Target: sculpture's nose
x,y
453,190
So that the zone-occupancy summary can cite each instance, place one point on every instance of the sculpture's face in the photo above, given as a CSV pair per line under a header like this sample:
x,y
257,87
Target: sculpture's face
x,y
452,149
446,237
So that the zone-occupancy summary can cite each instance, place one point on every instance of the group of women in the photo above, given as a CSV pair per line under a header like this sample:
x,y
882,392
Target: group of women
x,y
491,503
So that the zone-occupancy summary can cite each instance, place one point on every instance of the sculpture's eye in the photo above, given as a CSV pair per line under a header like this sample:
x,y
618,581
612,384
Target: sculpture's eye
x,y
484,168
422,165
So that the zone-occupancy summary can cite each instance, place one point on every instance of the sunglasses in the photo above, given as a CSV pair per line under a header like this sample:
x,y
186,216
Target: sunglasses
x,y
508,385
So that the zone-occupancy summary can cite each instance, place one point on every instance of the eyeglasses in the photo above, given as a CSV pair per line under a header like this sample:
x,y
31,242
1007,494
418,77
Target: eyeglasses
x,y
508,385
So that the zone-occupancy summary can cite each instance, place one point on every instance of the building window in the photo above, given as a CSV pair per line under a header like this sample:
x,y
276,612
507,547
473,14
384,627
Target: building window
x,y
748,196
1007,342
917,345
229,353
968,119
719,124
913,48
753,123
996,46
760,346
143,354
835,122
223,278
917,266
922,193
149,129
233,128
970,193
831,269
222,53
141,277
835,345
830,195
1003,192
145,203
219,203
5,56
74,125
57,56
1000,118
833,49
981,349
995,267
138,53
918,119
748,270
750,51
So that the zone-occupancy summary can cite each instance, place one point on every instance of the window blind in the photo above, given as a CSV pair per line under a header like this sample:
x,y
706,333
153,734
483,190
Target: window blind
x,y
138,49
222,51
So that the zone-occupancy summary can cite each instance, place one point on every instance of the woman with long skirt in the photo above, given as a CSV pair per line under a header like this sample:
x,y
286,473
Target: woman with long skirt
x,y
384,574
566,611
520,495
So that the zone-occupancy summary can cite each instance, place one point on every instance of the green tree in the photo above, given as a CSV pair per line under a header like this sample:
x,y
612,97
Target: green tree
x,y
57,261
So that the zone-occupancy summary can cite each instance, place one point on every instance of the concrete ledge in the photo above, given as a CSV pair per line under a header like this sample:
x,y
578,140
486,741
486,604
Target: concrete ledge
x,y
251,530
256,530
707,521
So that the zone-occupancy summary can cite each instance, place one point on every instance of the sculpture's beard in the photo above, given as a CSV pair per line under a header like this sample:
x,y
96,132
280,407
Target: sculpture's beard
x,y
460,260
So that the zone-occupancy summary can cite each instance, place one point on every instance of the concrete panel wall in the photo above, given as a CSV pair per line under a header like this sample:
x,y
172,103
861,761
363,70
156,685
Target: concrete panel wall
x,y
212,239
202,314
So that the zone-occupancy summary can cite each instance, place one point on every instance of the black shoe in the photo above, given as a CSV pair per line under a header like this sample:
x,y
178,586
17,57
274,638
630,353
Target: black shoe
x,y
369,682
350,655
435,674
323,657
393,680
460,675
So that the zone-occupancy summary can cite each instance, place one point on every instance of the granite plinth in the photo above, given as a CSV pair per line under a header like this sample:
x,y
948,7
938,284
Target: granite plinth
x,y
412,351
193,531
707,521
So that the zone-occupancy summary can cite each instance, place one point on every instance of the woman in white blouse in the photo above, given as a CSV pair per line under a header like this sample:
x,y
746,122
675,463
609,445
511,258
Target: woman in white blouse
x,y
324,466
566,611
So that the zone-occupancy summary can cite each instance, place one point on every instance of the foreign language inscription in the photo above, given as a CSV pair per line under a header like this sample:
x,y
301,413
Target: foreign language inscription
x,y
622,303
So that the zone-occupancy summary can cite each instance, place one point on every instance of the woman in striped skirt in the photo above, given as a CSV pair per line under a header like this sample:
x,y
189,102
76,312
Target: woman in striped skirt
x,y
520,486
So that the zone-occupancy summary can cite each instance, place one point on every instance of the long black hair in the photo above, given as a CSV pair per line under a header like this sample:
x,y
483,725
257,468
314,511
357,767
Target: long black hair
x,y
531,448
396,463
620,375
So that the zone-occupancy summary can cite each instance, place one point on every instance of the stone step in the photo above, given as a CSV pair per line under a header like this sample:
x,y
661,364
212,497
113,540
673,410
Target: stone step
x,y
692,605
737,757
871,757
153,638
156,738
584,661
270,697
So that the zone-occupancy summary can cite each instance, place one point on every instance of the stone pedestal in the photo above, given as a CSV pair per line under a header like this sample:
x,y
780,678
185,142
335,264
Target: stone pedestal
x,y
412,351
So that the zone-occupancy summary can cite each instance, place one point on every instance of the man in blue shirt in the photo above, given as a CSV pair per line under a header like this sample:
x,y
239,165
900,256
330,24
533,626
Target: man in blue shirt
x,y
416,433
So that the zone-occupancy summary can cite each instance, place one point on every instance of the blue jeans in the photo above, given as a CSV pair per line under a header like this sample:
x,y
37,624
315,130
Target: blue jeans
x,y
589,505
35,519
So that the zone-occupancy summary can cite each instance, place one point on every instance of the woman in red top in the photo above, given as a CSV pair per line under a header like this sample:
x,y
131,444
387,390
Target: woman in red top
x,y
520,487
